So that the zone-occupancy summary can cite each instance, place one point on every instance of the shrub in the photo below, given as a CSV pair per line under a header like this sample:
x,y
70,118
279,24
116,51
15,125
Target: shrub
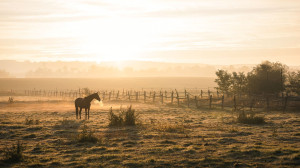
x,y
129,116
126,117
14,154
87,135
249,118
115,120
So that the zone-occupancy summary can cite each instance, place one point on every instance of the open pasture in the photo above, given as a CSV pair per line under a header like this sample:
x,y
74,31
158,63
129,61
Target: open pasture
x,y
165,136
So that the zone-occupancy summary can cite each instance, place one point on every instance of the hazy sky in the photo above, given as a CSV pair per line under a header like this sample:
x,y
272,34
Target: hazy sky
x,y
204,31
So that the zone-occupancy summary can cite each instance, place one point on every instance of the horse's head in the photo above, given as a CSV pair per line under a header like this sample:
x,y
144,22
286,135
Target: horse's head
x,y
97,96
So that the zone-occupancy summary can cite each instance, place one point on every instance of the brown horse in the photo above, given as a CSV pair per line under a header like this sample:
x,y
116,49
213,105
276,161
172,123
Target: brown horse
x,y
86,104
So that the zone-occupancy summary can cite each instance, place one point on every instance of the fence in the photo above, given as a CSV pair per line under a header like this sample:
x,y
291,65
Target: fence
x,y
191,98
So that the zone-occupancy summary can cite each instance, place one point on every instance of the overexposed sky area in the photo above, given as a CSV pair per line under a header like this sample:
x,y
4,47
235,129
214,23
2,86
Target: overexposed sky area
x,y
187,31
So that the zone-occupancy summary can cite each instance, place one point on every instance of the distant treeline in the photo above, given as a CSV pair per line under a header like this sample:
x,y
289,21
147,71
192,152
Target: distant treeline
x,y
264,79
111,69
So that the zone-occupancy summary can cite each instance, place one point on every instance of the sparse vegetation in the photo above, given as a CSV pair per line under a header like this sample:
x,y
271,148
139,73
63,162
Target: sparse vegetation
x,y
14,154
169,137
32,121
172,128
87,135
249,118
126,117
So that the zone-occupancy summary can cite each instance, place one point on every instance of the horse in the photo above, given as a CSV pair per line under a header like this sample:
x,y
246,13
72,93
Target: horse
x,y
86,104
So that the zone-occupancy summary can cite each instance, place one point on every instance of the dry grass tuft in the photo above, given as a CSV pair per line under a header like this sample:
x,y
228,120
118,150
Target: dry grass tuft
x,y
31,121
250,119
14,154
87,136
171,128
126,117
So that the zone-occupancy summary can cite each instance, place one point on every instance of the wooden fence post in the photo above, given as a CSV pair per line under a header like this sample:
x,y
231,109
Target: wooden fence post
x,y
118,94
201,94
188,100
172,94
185,95
177,99
162,98
222,102
210,101
196,101
109,96
144,96
153,97
285,103
136,96
252,104
234,103
166,95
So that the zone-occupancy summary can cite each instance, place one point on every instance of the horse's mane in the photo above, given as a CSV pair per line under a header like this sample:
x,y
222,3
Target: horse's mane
x,y
90,95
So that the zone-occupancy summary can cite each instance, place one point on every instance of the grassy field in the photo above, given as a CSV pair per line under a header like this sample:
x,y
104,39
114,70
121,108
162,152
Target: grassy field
x,y
165,136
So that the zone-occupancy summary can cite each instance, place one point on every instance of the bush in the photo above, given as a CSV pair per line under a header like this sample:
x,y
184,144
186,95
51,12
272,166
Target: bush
x,y
126,117
14,154
250,119
87,135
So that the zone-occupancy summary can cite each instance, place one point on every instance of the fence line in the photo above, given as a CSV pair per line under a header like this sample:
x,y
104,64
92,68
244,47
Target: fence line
x,y
210,99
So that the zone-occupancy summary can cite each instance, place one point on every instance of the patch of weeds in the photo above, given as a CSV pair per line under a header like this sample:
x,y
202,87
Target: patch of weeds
x,y
233,129
31,121
66,123
172,128
168,142
14,154
274,132
87,136
250,118
126,117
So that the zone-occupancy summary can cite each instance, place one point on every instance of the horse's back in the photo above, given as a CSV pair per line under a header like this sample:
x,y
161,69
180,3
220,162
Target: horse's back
x,y
78,101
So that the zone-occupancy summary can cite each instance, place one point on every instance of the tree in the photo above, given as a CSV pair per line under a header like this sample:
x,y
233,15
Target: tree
x,y
267,78
294,82
239,83
223,80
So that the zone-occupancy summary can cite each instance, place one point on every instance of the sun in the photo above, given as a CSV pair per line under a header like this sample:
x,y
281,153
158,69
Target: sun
x,y
114,40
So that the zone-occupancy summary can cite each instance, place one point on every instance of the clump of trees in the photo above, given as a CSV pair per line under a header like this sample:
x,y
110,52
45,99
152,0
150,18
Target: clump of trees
x,y
265,78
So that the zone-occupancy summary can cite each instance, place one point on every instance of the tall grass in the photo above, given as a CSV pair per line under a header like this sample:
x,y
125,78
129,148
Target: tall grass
x,y
14,154
126,117
87,135
250,118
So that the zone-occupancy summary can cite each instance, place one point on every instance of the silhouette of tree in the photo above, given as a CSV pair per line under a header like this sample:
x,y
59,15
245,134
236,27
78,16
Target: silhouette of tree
x,y
267,78
223,80
239,83
294,82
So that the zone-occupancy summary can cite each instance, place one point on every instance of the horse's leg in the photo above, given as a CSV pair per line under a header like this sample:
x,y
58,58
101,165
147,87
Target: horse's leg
x,y
89,113
80,112
85,113
76,112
